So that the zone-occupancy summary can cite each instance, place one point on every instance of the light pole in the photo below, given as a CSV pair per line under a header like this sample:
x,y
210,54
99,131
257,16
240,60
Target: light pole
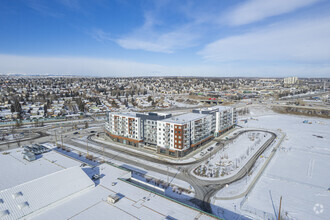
x,y
246,171
87,146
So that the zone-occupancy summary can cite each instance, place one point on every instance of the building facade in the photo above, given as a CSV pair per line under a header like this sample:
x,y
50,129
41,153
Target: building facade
x,y
223,118
290,80
125,128
174,136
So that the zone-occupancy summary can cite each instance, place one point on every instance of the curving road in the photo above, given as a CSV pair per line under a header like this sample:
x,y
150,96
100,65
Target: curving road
x,y
204,189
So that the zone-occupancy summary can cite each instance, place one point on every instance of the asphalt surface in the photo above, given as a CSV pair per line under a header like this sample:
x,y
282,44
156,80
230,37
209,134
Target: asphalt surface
x,y
204,189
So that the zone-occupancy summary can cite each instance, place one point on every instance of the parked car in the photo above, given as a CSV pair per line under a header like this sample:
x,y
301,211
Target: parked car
x,y
96,177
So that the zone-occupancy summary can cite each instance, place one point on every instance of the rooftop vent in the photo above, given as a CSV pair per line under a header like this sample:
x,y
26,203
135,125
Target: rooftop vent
x,y
23,205
18,194
4,213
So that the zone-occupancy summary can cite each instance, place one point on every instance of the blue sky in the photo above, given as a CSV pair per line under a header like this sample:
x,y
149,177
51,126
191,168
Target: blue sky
x,y
165,38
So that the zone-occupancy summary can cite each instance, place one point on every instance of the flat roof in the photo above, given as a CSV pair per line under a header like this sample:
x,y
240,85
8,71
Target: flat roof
x,y
221,108
125,114
26,199
184,118
15,170
134,202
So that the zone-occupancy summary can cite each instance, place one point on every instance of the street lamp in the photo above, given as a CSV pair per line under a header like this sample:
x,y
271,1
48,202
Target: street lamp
x,y
246,171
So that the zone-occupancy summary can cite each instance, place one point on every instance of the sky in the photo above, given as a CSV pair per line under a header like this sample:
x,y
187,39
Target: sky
x,y
216,38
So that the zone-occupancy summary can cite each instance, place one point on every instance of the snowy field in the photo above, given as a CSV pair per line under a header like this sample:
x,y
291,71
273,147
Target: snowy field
x,y
232,156
299,172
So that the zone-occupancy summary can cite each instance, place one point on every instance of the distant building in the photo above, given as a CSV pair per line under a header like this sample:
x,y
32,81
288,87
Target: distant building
x,y
175,136
290,80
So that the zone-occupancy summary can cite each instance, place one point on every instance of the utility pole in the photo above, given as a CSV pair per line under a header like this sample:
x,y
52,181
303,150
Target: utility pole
x,y
103,153
87,147
62,141
279,211
55,139
167,175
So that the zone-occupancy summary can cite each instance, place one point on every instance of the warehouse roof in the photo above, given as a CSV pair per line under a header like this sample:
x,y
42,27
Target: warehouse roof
x,y
33,196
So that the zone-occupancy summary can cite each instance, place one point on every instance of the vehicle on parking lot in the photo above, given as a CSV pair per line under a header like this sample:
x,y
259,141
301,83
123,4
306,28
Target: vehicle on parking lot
x,y
96,177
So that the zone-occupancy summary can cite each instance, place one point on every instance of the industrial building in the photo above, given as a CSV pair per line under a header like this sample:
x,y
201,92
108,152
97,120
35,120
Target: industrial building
x,y
56,187
174,136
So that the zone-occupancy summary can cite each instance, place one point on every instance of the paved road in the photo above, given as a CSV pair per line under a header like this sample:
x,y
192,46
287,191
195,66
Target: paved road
x,y
204,189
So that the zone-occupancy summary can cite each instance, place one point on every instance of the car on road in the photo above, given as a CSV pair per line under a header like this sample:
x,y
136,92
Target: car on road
x,y
76,132
211,148
93,132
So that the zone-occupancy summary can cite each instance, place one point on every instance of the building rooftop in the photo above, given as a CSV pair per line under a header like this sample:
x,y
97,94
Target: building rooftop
x,y
31,197
218,107
126,114
47,189
184,118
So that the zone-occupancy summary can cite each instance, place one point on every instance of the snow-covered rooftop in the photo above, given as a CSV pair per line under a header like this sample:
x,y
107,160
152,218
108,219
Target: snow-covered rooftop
x,y
182,119
34,196
126,114
29,182
15,170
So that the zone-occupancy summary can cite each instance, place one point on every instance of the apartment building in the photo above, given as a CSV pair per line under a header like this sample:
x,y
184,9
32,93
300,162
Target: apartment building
x,y
223,118
290,80
178,135
124,127
132,128
174,136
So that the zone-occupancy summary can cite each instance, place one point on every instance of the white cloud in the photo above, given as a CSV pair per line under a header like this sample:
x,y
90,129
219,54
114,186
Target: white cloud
x,y
257,10
156,36
165,43
303,41
74,65
84,66
99,35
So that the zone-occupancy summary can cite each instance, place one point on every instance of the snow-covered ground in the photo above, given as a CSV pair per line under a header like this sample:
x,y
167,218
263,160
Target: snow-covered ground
x,y
77,154
232,156
299,172
239,187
